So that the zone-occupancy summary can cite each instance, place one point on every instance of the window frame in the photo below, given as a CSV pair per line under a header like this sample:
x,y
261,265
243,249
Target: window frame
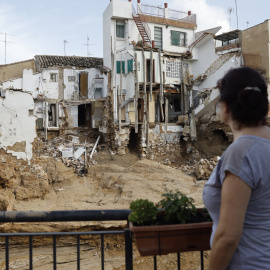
x,y
120,67
53,77
120,24
179,40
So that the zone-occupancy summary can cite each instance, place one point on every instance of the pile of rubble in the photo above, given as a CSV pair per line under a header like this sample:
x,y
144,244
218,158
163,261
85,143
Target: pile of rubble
x,y
202,169
71,152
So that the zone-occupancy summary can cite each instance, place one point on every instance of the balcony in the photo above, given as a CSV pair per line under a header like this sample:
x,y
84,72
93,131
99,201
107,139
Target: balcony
x,y
167,13
46,250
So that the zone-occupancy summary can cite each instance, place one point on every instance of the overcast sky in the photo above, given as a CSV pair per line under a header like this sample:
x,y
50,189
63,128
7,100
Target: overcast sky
x,y
40,27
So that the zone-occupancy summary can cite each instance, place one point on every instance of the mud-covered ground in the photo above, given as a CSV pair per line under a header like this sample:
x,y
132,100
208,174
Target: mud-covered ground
x,y
112,182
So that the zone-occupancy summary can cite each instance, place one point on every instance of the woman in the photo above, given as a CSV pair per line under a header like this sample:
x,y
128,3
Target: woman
x,y
237,194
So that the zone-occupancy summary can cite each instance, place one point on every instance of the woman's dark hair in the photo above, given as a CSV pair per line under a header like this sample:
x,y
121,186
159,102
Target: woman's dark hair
x,y
245,92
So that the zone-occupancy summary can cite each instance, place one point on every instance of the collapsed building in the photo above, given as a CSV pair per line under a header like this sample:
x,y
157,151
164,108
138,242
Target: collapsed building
x,y
57,95
161,71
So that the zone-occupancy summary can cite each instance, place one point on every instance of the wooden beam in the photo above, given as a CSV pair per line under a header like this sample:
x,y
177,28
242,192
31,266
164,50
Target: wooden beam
x,y
136,93
151,75
161,79
166,116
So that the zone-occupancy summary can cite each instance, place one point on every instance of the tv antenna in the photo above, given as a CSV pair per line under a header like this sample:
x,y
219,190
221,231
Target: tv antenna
x,y
5,41
87,44
236,13
247,24
65,41
230,11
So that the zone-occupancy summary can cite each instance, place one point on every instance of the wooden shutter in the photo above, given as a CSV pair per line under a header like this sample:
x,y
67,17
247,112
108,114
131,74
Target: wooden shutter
x,y
84,84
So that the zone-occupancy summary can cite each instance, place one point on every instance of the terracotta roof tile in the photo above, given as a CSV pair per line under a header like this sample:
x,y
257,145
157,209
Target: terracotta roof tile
x,y
45,61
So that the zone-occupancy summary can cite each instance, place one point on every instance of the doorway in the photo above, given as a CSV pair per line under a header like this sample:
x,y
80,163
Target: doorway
x,y
84,115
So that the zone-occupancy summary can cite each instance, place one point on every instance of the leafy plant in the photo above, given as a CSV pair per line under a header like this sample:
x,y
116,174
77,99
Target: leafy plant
x,y
143,212
178,208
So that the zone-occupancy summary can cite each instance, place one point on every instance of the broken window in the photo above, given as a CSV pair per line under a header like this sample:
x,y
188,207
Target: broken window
x,y
53,77
120,66
120,29
178,38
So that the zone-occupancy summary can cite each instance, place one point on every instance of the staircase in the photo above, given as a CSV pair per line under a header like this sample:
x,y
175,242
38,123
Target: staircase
x,y
142,26
213,67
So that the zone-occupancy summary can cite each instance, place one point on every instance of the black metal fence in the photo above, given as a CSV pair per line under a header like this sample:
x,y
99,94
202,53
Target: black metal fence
x,y
70,216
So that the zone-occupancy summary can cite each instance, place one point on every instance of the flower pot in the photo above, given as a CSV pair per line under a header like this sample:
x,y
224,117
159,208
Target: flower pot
x,y
164,239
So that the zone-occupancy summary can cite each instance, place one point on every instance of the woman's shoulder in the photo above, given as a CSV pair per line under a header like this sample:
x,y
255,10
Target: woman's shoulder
x,y
246,145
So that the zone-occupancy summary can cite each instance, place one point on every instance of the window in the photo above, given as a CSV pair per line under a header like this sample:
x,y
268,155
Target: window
x,y
53,77
158,37
130,65
120,65
178,38
120,29
71,78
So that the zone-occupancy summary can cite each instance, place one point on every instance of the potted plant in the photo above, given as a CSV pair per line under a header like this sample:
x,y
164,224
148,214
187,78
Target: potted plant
x,y
178,227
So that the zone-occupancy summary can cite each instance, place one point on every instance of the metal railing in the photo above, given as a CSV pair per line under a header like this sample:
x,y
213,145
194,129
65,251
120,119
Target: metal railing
x,y
144,22
153,11
55,237
181,16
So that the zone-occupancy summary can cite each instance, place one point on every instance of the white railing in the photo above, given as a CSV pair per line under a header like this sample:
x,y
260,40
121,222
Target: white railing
x,y
153,11
182,16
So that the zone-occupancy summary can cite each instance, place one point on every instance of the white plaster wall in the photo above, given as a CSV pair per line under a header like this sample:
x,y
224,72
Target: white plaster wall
x,y
50,88
166,37
121,9
15,84
206,55
211,81
72,88
39,109
17,122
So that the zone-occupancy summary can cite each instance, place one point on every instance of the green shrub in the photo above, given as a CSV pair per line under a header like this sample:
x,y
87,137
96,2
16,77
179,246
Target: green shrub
x,y
144,212
178,208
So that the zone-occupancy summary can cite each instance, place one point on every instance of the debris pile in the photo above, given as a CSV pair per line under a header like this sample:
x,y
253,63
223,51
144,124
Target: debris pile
x,y
71,152
202,169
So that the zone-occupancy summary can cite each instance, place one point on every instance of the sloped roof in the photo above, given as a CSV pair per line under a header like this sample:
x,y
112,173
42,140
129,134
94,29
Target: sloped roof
x,y
45,61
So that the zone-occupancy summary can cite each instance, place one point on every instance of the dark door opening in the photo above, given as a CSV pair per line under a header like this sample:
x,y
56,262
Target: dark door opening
x,y
148,61
84,115
133,144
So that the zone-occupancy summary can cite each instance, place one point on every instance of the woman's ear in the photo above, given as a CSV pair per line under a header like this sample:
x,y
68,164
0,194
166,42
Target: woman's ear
x,y
224,112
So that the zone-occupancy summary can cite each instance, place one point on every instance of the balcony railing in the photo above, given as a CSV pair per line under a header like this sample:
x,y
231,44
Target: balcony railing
x,y
11,241
173,14
153,11
181,16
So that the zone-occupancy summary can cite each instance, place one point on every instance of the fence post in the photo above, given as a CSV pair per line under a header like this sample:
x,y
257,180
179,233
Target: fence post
x,y
128,250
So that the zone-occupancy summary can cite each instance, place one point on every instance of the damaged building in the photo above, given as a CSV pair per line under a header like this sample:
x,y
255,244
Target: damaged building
x,y
154,88
58,94
162,72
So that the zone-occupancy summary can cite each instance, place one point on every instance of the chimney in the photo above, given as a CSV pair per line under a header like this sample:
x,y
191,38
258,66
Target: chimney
x,y
153,44
138,1
166,5
189,13
129,0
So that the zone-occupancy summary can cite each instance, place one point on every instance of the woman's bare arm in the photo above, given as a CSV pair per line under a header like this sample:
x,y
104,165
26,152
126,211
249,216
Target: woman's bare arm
x,y
235,196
